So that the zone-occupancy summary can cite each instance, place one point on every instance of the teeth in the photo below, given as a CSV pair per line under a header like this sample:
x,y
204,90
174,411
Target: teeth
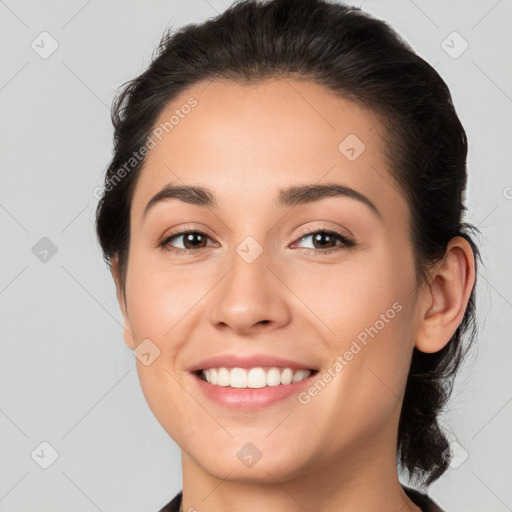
x,y
254,377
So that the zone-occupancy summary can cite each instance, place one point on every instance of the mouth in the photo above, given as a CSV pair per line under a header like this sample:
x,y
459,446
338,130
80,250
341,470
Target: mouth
x,y
253,378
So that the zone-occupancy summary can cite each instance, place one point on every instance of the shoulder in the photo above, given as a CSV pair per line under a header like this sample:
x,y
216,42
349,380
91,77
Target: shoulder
x,y
422,500
173,505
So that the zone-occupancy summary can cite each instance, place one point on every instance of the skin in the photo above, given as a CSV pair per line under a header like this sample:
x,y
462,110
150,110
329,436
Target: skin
x,y
337,452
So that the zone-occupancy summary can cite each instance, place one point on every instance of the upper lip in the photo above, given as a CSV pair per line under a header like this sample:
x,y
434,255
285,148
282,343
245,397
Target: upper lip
x,y
237,361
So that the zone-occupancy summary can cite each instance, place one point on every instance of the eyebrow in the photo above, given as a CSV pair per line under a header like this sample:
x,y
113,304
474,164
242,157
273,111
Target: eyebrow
x,y
289,196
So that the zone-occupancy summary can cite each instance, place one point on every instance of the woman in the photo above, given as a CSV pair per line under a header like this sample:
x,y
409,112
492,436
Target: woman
x,y
282,217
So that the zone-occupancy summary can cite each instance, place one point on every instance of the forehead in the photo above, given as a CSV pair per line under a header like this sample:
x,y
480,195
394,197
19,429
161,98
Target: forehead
x,y
249,140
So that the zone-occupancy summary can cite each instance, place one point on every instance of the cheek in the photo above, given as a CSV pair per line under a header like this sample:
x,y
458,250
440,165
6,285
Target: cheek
x,y
163,306
352,296
161,299
368,372
369,308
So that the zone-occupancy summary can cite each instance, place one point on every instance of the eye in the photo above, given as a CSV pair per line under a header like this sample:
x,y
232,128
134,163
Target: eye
x,y
325,241
193,241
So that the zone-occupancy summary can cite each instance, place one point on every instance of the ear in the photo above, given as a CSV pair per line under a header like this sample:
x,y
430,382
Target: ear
x,y
127,331
446,297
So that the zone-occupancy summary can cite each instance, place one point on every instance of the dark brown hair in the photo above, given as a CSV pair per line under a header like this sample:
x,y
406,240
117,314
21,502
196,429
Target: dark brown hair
x,y
361,59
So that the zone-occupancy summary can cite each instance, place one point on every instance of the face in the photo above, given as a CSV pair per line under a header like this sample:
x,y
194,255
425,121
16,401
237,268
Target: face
x,y
272,275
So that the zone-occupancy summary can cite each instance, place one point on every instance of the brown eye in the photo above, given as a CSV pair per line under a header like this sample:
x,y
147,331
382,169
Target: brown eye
x,y
325,241
192,241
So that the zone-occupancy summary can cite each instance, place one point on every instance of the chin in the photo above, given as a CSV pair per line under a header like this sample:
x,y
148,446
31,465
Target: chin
x,y
246,463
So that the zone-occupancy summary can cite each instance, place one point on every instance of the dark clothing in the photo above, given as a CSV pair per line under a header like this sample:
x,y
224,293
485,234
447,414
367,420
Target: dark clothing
x,y
421,500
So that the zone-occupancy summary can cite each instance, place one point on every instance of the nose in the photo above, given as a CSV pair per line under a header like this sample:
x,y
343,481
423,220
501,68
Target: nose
x,y
250,297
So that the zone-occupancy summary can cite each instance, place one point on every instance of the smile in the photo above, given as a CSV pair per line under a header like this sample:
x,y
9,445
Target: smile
x,y
254,378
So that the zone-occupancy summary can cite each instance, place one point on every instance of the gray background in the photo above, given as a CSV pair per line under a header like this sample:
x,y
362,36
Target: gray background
x,y
66,376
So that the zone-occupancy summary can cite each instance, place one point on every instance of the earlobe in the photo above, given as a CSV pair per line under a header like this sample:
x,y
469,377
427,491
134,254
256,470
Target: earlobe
x,y
127,332
446,296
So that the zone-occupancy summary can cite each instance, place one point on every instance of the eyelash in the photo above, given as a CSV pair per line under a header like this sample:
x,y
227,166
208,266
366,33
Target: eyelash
x,y
346,242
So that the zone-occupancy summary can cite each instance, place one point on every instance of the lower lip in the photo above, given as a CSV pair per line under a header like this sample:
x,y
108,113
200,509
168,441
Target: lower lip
x,y
251,398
